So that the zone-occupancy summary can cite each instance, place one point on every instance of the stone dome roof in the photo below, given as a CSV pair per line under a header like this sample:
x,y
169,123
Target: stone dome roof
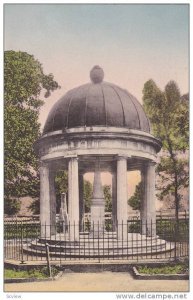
x,y
97,103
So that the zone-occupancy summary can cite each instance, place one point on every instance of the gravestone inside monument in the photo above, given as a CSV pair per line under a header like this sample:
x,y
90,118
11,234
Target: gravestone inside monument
x,y
98,204
63,215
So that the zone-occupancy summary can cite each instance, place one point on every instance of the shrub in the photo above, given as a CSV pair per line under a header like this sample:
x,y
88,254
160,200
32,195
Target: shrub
x,y
12,206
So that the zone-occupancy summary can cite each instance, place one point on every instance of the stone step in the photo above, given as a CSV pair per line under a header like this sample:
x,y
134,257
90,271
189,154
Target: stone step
x,y
108,245
64,239
111,247
96,253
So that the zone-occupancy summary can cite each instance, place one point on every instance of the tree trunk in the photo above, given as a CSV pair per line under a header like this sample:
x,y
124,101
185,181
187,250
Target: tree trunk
x,y
172,155
176,200
176,207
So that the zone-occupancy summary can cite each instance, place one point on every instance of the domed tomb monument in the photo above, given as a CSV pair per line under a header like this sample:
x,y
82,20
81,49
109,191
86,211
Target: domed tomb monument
x,y
97,127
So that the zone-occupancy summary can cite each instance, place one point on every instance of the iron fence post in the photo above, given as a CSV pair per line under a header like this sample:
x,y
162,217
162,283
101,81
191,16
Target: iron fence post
x,y
175,242
22,258
98,244
98,247
48,260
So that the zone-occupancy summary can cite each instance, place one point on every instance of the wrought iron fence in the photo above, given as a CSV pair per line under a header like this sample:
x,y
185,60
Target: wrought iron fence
x,y
24,241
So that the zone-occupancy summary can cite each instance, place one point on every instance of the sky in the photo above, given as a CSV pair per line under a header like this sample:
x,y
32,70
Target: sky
x,y
132,43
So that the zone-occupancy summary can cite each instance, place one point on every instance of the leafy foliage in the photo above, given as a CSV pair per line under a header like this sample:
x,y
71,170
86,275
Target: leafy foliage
x,y
61,186
167,170
38,273
135,200
34,207
88,190
169,116
181,268
61,182
12,206
21,130
16,230
24,81
169,230
87,195
108,198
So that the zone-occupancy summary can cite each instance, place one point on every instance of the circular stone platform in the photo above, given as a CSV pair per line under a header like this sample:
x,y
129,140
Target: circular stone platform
x,y
106,246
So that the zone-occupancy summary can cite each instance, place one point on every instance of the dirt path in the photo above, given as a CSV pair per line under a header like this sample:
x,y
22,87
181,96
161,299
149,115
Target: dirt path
x,y
100,282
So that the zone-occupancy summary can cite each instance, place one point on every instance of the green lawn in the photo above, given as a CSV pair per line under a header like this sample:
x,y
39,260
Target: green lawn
x,y
175,269
33,273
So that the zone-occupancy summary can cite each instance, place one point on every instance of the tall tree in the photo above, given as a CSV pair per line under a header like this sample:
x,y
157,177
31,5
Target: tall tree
x,y
61,186
169,117
24,80
87,195
135,200
108,197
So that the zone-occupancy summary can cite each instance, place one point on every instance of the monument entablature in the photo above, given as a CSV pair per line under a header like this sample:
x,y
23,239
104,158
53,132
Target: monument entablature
x,y
97,142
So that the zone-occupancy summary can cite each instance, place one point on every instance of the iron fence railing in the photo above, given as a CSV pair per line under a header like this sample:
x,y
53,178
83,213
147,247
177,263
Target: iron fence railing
x,y
134,214
134,240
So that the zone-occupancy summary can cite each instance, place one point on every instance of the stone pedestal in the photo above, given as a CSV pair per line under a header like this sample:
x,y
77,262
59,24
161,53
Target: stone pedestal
x,y
98,205
63,215
73,198
52,201
122,198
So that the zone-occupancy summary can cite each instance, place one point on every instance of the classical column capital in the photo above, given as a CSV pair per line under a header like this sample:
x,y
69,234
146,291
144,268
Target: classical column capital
x,y
73,159
44,164
152,163
71,156
148,163
48,165
121,157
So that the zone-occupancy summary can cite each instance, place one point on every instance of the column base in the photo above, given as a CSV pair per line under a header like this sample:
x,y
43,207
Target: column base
x,y
122,231
73,232
148,228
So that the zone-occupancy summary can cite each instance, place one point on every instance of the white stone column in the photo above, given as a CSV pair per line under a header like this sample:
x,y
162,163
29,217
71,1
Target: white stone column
x,y
148,210
73,198
143,201
122,197
52,201
47,201
81,200
114,201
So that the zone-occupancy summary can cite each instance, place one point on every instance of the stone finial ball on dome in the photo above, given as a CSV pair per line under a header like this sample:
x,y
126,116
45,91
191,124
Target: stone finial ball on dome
x,y
96,74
